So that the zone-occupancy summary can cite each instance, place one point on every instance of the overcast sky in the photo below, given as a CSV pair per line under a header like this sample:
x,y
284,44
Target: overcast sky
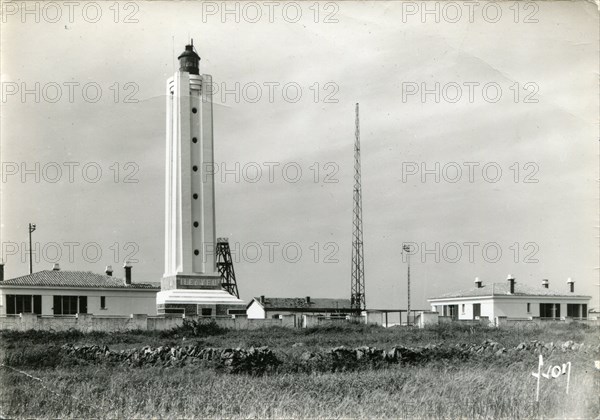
x,y
517,92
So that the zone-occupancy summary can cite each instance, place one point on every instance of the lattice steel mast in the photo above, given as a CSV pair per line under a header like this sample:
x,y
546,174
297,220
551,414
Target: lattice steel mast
x,y
225,267
357,297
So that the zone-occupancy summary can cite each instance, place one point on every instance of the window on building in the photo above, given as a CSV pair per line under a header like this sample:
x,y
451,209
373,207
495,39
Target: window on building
x,y
206,311
462,309
528,308
70,305
102,302
17,304
549,310
275,316
236,311
576,310
82,304
37,304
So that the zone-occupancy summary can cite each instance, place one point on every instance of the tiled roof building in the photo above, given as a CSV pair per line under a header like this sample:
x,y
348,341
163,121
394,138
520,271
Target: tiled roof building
x,y
56,292
78,279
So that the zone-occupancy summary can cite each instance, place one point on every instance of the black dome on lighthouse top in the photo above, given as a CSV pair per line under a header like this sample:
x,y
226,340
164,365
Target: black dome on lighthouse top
x,y
189,60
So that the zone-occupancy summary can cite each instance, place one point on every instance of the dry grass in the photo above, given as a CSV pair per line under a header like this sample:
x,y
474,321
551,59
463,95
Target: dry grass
x,y
487,387
424,392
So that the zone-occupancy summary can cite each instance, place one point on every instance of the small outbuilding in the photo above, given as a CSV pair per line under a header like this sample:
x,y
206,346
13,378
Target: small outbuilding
x,y
267,307
57,293
512,300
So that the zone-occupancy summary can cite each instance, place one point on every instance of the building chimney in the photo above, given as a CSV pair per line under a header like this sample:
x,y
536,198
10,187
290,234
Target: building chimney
x,y
545,283
127,267
262,299
56,267
108,270
478,283
1,271
571,284
308,299
511,283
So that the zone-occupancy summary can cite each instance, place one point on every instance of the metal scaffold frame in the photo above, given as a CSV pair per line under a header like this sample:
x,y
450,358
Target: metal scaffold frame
x,y
225,267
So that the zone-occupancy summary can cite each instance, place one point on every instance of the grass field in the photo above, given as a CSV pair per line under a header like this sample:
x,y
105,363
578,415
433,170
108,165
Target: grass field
x,y
482,386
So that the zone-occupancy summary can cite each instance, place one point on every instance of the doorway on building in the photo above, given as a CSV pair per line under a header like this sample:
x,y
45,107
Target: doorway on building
x,y
451,311
476,310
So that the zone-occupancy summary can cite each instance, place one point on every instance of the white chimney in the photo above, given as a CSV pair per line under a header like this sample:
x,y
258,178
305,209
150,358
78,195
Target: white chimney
x,y
478,283
127,266
109,270
56,267
571,284
511,283
545,283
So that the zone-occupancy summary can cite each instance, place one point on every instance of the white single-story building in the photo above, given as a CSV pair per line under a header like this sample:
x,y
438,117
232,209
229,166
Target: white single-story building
x,y
56,292
267,307
512,300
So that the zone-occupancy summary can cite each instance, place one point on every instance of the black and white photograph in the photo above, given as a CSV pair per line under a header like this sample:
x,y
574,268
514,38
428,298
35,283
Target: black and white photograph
x,y
299,209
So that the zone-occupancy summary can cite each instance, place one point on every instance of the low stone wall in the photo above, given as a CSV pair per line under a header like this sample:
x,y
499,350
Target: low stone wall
x,y
89,323
425,319
502,321
309,320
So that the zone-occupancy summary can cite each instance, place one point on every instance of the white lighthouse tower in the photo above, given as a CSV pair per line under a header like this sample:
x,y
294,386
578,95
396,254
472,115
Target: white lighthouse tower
x,y
190,195
191,282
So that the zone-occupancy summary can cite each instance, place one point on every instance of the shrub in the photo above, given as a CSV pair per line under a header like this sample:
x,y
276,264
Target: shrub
x,y
35,357
195,328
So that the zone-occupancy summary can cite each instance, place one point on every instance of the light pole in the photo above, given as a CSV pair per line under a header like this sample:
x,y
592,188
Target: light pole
x,y
406,248
31,230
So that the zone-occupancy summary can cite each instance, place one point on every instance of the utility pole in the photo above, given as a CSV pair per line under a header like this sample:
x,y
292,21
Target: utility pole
x,y
406,248
31,230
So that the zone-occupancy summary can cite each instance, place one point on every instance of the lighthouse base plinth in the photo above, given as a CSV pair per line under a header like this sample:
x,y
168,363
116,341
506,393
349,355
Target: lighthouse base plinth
x,y
196,295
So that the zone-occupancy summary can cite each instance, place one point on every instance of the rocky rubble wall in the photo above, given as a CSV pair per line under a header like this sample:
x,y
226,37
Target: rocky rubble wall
x,y
253,360
260,360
